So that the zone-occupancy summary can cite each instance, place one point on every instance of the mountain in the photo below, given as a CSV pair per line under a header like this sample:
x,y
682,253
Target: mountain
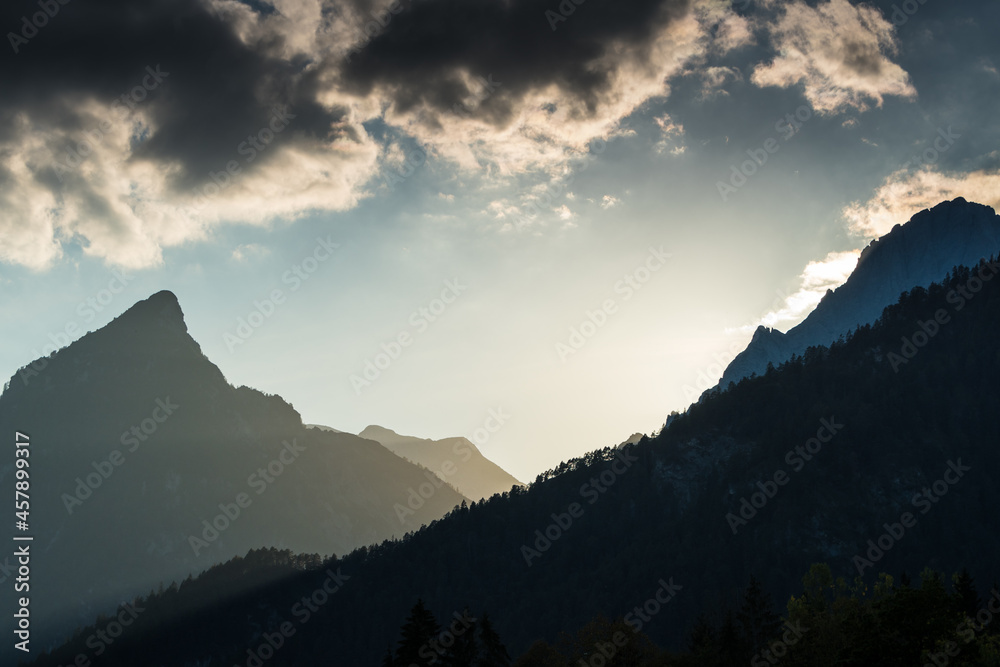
x,y
953,233
323,428
633,439
147,466
875,454
455,460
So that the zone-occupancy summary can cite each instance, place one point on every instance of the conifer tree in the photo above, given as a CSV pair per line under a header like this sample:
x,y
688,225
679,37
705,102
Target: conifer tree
x,y
419,629
966,597
702,635
494,653
464,651
731,645
757,618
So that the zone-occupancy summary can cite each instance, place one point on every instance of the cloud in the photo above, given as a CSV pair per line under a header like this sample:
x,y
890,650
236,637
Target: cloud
x,y
609,201
898,199
672,135
599,66
462,82
732,32
818,276
245,252
668,126
118,121
904,194
714,80
838,52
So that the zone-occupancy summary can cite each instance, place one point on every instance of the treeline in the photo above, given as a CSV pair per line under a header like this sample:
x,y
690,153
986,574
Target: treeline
x,y
168,626
464,641
831,623
664,515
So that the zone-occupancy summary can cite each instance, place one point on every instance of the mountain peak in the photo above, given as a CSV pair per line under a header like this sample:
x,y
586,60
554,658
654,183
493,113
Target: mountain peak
x,y
155,323
161,308
941,218
761,332
165,296
958,211
953,233
456,460
373,429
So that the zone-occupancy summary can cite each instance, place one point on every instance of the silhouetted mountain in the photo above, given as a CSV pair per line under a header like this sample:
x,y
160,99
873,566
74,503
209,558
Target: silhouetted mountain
x,y
324,428
137,439
632,439
828,458
953,233
455,460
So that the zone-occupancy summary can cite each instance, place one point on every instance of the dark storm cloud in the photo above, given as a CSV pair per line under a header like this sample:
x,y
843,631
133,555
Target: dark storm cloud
x,y
217,90
419,54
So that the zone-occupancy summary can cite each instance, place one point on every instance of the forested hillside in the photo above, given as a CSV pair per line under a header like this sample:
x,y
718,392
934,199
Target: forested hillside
x,y
875,455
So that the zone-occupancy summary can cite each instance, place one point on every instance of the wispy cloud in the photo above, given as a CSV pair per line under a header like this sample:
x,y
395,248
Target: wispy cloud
x,y
905,193
247,251
840,54
815,280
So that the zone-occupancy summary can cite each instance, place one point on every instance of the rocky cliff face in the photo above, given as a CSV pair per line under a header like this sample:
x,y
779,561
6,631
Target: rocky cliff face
x,y
147,466
913,254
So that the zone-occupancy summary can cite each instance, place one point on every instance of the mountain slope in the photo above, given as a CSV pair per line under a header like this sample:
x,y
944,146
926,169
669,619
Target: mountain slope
x,y
859,436
146,466
917,253
455,460
323,428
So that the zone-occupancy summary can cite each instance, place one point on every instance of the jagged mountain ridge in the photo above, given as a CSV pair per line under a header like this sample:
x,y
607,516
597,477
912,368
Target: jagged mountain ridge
x,y
664,515
953,233
456,460
116,525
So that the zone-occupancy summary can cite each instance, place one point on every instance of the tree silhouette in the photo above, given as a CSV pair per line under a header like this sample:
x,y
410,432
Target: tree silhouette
x,y
541,654
966,597
417,632
494,653
731,645
702,635
465,651
757,618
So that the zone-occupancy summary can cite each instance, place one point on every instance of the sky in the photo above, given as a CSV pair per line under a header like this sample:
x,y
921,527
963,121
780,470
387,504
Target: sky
x,y
556,220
